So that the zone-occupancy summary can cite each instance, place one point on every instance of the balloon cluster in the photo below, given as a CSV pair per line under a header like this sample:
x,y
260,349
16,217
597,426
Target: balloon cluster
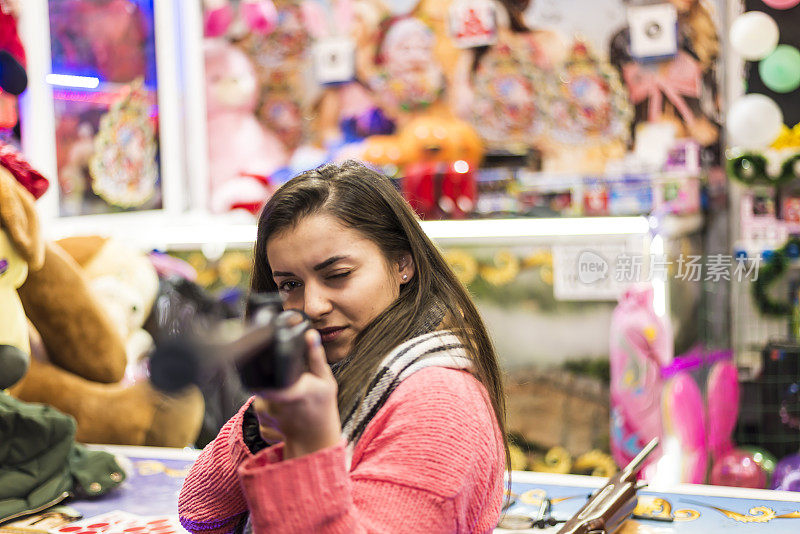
x,y
754,121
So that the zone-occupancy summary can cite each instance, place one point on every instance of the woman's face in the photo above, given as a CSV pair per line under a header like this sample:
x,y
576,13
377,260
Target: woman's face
x,y
338,277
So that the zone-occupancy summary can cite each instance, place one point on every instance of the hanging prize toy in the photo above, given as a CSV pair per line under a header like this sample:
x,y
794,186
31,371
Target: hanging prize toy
x,y
589,115
334,67
259,16
408,78
282,59
590,106
508,90
123,166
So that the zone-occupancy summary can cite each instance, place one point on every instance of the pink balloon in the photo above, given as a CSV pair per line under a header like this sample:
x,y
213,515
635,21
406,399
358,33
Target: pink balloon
x,y
738,468
781,4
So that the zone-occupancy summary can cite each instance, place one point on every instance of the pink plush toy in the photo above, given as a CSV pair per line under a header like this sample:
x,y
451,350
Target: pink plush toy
x,y
684,428
640,345
259,16
242,153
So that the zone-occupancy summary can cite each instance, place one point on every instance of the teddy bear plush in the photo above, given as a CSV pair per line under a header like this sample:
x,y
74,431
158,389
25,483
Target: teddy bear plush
x,y
40,461
20,249
242,153
110,405
78,353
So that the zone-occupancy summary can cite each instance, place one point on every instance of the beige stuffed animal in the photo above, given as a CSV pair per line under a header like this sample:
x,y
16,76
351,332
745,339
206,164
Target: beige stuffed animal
x,y
126,283
78,363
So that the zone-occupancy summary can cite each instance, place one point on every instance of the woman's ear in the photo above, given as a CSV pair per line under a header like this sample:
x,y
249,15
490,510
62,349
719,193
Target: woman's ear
x,y
405,267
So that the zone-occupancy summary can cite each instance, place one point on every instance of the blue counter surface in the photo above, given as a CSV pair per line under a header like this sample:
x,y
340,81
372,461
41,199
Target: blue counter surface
x,y
156,475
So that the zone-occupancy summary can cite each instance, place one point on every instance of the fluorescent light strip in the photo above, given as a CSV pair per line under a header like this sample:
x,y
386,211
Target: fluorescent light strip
x,y
514,228
194,231
68,80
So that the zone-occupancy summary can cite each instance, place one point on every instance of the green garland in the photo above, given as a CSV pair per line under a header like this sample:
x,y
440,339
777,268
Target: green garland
x,y
769,273
751,169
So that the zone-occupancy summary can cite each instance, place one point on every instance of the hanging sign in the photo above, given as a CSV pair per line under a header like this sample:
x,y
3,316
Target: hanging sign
x,y
473,23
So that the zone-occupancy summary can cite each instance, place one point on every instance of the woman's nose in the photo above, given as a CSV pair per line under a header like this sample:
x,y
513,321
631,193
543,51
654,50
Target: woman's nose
x,y
316,303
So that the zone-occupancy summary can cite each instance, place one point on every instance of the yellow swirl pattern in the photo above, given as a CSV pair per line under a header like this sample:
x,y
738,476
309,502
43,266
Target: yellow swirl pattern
x,y
557,460
504,269
464,265
601,464
154,467
686,515
756,514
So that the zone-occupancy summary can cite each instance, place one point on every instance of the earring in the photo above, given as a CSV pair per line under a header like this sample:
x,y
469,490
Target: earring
x,y
405,277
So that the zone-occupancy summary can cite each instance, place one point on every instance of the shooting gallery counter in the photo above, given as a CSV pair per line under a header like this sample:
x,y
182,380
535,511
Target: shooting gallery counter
x,y
156,474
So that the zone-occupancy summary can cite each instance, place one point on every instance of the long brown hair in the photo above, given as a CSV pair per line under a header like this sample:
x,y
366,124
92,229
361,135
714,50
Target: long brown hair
x,y
366,201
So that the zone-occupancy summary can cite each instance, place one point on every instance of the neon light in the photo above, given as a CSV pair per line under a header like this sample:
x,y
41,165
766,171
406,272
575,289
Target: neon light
x,y
68,80
100,97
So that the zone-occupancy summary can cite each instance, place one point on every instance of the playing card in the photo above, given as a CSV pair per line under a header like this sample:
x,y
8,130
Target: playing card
x,y
119,522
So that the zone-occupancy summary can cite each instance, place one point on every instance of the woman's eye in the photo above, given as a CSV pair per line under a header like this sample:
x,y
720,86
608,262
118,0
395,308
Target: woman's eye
x,y
341,274
288,285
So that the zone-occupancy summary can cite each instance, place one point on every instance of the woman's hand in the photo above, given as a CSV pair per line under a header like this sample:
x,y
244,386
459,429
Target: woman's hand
x,y
306,413
267,425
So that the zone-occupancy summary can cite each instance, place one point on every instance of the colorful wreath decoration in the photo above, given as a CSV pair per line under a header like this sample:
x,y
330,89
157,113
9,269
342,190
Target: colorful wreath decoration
x,y
769,272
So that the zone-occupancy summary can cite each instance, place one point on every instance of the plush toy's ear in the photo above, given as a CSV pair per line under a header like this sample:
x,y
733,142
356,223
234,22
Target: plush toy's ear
x,y
82,248
18,218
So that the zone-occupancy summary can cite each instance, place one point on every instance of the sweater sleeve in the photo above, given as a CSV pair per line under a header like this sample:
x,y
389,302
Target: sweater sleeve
x,y
211,500
430,461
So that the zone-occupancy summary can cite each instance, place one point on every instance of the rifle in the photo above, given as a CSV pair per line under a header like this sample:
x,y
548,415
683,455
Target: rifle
x,y
611,505
270,353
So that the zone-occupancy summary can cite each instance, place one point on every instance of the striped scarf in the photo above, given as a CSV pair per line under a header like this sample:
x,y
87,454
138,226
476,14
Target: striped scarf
x,y
440,348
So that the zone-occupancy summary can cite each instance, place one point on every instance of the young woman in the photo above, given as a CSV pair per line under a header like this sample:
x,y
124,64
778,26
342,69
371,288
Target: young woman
x,y
398,425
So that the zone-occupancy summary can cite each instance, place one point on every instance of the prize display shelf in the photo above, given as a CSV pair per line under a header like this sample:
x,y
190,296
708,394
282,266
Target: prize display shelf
x,y
196,230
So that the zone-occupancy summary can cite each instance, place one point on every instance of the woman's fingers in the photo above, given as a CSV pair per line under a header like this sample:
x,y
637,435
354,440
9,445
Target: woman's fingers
x,y
267,423
317,363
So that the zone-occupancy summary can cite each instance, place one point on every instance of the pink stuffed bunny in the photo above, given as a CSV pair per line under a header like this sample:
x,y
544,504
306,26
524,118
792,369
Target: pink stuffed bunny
x,y
242,153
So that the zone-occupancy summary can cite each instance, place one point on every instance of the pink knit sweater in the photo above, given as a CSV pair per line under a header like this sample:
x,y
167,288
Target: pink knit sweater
x,y
431,460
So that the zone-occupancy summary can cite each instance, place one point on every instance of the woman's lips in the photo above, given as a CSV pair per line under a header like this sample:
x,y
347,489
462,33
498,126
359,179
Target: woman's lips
x,y
330,334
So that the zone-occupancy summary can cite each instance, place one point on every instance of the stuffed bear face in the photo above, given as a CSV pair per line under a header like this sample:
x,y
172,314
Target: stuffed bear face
x,y
125,305
231,83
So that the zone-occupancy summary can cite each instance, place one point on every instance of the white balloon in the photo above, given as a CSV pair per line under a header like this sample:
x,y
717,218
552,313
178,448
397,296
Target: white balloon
x,y
754,35
754,121
401,7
